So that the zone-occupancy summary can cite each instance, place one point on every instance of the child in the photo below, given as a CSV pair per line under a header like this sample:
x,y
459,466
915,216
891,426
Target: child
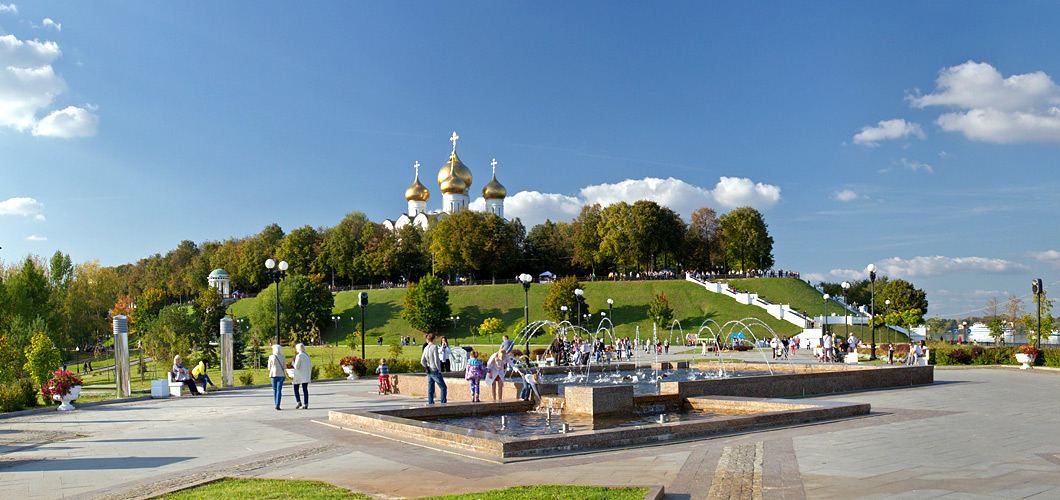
x,y
530,380
474,373
384,376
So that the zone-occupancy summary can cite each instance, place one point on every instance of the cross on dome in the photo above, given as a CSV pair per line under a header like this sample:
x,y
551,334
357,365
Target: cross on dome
x,y
453,139
494,165
417,166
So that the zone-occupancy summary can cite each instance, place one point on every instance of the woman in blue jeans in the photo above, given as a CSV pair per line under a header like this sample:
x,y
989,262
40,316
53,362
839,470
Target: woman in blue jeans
x,y
277,364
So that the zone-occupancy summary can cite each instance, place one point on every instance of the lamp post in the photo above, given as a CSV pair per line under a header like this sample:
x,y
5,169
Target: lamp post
x,y
1038,290
846,308
525,279
454,319
872,305
276,275
610,312
887,312
578,293
564,309
824,324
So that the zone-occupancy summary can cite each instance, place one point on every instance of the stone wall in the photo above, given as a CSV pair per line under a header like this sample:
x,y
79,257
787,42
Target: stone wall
x,y
812,379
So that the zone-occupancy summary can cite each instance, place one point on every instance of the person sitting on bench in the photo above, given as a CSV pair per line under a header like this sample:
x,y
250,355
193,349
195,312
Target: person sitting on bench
x,y
181,374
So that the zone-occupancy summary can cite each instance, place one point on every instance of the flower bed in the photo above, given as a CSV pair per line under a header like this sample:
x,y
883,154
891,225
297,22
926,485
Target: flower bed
x,y
60,384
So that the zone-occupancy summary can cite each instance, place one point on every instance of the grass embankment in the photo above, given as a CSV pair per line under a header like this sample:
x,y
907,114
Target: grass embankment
x,y
691,303
267,489
807,300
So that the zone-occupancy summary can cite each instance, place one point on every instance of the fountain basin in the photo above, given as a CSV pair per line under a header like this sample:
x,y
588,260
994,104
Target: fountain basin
x,y
727,415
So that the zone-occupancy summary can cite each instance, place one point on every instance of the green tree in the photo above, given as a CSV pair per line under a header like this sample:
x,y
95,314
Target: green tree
x,y
342,247
210,309
170,333
586,233
42,358
997,330
748,245
305,306
659,311
1031,319
299,250
902,294
491,328
148,305
427,305
10,360
561,293
550,247
703,241
27,291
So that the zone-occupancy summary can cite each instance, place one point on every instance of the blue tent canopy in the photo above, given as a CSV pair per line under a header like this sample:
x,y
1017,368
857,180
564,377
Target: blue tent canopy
x,y
546,274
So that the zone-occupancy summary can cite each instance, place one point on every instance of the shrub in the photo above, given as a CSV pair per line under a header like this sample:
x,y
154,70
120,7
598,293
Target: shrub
x,y
333,371
960,356
29,393
977,355
1049,357
539,352
246,378
42,358
314,373
13,397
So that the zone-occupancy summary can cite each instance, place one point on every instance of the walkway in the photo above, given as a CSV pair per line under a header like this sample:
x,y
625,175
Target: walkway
x,y
975,433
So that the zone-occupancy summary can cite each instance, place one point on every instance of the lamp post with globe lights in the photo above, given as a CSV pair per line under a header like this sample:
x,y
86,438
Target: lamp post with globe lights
x,y
564,309
846,306
578,293
610,311
872,304
887,312
824,323
277,273
525,280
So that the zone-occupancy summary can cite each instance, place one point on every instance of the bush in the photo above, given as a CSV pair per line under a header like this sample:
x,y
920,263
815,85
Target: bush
x,y
333,371
29,393
314,373
246,378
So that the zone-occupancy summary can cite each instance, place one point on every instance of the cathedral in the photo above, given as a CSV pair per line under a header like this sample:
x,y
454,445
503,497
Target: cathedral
x,y
454,181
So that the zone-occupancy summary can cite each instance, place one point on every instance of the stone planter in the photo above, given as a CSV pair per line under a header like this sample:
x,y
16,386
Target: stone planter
x,y
1026,359
349,371
74,393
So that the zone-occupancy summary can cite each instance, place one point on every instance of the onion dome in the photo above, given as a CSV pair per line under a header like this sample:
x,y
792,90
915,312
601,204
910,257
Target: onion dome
x,y
494,190
452,185
455,166
417,191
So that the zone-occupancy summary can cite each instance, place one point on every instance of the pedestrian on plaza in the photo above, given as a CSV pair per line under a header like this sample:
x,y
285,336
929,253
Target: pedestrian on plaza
x,y
496,366
826,348
276,373
181,374
474,373
431,361
200,375
507,344
383,370
890,353
666,346
445,354
303,372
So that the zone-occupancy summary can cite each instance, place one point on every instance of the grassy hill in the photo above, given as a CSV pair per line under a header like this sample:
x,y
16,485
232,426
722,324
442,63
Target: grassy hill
x,y
692,306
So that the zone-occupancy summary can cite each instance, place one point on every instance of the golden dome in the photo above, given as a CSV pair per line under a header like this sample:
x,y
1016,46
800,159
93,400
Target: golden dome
x,y
452,184
417,191
494,190
456,166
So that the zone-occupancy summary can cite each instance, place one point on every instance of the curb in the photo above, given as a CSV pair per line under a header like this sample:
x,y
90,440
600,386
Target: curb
x,y
655,493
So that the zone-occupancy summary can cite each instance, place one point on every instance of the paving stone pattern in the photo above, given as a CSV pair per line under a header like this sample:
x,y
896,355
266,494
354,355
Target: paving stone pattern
x,y
975,433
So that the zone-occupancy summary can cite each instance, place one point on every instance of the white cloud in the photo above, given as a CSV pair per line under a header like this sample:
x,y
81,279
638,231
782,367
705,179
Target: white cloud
x,y
1048,257
48,23
847,195
915,165
926,267
28,87
887,129
1017,109
34,237
22,206
533,207
732,192
67,123
9,8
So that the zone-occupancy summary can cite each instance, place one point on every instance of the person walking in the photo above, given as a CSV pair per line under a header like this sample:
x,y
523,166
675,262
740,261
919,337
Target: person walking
x,y
303,372
430,360
276,373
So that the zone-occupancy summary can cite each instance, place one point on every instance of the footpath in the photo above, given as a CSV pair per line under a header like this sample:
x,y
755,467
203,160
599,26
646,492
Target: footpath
x,y
975,433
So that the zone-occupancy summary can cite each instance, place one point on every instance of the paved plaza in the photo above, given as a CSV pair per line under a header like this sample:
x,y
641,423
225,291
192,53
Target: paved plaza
x,y
975,433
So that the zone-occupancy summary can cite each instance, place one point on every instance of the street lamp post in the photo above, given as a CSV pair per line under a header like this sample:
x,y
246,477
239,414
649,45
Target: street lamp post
x,y
824,324
890,338
872,305
276,275
846,308
564,309
578,293
610,312
525,279
454,319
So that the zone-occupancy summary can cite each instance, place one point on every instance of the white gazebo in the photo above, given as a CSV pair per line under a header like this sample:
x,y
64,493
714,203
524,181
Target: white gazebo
x,y
219,279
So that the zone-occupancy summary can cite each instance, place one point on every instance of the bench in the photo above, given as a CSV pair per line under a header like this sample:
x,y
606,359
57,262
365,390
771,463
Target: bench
x,y
175,387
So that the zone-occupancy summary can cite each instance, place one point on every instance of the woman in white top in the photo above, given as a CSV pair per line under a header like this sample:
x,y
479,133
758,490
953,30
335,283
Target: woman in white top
x,y
445,354
303,371
276,373
498,363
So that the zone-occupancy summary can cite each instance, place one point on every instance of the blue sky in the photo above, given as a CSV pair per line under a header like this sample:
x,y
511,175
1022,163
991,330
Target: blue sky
x,y
921,137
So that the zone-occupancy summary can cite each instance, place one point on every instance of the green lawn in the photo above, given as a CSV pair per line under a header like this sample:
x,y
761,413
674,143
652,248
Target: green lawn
x,y
473,304
282,489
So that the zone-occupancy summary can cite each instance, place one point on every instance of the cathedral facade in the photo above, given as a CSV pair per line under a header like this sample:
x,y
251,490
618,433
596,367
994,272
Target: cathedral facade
x,y
454,181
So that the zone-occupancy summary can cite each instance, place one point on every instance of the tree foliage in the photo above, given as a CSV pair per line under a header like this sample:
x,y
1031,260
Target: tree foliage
x,y
42,358
659,310
561,293
748,245
427,305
